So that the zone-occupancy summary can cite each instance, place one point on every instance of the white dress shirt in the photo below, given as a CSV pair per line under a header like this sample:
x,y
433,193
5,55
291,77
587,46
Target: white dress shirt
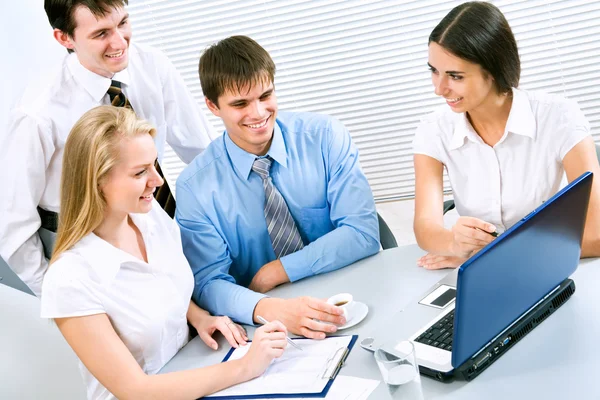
x,y
31,150
147,303
502,184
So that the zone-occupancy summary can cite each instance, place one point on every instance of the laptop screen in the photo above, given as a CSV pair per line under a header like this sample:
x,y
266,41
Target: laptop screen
x,y
510,275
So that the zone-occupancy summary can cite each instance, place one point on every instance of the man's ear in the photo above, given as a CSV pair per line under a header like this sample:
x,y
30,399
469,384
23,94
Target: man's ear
x,y
212,107
64,39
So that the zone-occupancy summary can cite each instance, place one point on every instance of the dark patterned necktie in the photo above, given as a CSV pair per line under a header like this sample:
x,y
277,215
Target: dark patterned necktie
x,y
163,194
283,232
117,97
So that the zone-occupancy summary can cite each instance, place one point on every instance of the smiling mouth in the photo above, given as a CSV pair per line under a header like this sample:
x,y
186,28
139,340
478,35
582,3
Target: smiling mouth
x,y
259,125
455,100
115,55
147,196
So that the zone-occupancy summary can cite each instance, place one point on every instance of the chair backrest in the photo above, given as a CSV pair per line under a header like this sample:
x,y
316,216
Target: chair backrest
x,y
386,237
10,279
48,239
448,205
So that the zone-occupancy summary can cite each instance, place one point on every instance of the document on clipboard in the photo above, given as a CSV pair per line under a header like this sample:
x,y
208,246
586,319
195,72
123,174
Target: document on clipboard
x,y
306,373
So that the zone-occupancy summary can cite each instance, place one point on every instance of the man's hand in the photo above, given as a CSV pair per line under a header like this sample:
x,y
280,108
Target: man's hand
x,y
470,235
299,315
268,276
433,261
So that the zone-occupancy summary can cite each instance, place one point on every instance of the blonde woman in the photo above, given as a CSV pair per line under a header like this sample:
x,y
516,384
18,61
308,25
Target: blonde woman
x,y
119,286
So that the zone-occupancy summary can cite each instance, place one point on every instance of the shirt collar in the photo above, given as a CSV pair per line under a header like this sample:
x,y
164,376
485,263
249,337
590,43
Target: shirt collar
x,y
521,121
242,160
96,85
104,258
462,130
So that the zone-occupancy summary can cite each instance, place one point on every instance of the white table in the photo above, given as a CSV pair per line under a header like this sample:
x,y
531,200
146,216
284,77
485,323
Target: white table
x,y
35,360
557,360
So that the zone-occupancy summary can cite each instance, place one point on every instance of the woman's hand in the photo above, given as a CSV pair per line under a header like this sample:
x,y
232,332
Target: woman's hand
x,y
434,261
234,333
268,343
470,235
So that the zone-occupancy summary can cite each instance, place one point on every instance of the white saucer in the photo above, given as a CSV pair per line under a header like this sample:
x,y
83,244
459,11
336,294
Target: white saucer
x,y
360,311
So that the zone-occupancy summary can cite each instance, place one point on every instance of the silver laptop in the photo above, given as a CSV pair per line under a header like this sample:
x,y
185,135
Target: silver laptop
x,y
430,309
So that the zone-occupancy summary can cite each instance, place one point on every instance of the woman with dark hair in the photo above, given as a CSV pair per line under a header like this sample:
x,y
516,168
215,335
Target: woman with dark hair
x,y
505,150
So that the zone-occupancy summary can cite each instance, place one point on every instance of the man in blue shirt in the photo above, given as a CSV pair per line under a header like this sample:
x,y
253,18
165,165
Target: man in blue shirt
x,y
277,198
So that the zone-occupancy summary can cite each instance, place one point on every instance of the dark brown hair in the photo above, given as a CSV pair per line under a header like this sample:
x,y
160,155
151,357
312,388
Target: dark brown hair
x,y
234,64
478,32
61,12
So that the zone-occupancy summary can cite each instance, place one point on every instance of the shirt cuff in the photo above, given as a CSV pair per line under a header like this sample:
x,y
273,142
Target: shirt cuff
x,y
296,265
222,297
248,305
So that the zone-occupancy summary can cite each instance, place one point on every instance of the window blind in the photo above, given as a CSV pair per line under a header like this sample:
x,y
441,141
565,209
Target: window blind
x,y
365,62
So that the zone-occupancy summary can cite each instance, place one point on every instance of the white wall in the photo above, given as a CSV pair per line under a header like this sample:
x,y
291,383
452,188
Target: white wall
x,y
38,362
29,52
365,62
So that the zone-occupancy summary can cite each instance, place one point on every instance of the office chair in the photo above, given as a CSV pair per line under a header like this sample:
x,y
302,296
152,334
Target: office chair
x,y
449,204
386,237
10,279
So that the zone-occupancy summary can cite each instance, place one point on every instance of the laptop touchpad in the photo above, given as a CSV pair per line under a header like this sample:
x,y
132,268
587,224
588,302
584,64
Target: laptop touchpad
x,y
440,297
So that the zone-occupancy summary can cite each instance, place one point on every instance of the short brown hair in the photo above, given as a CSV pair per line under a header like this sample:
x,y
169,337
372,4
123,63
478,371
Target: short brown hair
x,y
478,32
232,64
61,12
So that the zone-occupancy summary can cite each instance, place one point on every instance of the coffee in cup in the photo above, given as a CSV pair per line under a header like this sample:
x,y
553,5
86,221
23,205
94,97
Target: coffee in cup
x,y
345,301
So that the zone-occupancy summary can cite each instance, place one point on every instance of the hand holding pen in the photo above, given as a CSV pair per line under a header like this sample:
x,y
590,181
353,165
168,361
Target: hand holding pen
x,y
267,344
470,235
290,341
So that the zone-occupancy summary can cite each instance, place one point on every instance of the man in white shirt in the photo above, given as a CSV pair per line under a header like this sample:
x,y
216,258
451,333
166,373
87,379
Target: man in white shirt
x,y
97,35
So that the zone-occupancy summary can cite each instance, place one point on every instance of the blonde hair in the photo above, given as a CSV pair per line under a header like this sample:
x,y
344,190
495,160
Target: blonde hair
x,y
91,151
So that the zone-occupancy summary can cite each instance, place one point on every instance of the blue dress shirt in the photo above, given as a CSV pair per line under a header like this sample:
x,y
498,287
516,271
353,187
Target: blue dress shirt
x,y
220,205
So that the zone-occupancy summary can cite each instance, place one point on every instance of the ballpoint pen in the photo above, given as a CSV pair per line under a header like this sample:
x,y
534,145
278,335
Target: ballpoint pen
x,y
494,234
290,341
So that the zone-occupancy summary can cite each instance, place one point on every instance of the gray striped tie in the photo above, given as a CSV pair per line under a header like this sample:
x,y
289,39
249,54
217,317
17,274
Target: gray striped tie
x,y
283,232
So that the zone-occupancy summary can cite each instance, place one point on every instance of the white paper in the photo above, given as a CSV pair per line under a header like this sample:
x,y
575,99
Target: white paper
x,y
294,372
348,388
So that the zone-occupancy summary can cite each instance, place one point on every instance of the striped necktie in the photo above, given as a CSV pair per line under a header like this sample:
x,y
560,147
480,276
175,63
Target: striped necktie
x,y
163,194
283,232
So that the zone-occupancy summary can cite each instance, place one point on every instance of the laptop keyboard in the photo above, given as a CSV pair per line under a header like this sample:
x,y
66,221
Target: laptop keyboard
x,y
439,334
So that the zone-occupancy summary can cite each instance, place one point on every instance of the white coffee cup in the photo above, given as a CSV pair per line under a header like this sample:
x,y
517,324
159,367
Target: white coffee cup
x,y
345,301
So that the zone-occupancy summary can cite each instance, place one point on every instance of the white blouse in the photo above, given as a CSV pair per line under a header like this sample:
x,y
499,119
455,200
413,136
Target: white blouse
x,y
147,303
502,184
